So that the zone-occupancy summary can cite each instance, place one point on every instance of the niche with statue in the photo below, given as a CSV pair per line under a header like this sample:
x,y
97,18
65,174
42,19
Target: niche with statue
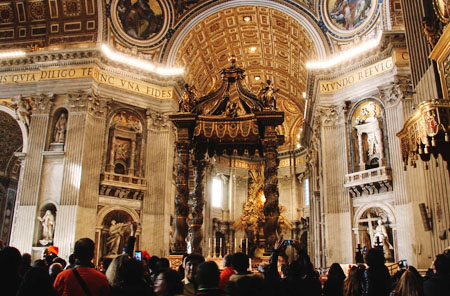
x,y
124,144
367,136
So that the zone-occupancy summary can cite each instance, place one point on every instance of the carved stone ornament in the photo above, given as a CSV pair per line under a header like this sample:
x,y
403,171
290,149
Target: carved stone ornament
x,y
157,120
331,115
393,92
97,106
42,103
23,110
79,101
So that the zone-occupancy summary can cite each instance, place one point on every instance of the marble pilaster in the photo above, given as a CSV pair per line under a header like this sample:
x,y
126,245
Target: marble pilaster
x,y
157,202
337,201
22,234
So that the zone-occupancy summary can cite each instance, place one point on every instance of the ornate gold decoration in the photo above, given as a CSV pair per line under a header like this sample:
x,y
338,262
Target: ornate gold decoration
x,y
442,10
228,119
252,220
426,132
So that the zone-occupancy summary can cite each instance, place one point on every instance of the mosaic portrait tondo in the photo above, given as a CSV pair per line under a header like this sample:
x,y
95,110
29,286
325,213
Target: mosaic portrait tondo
x,y
348,15
140,19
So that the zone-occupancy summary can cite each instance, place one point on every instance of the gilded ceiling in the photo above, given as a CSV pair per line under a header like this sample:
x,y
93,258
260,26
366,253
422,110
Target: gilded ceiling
x,y
268,44
45,23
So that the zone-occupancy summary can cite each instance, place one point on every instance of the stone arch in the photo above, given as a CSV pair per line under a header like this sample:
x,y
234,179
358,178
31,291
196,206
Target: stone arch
x,y
22,127
109,247
366,223
304,19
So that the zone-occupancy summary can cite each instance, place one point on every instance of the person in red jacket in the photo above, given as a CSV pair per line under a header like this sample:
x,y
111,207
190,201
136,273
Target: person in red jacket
x,y
227,272
82,279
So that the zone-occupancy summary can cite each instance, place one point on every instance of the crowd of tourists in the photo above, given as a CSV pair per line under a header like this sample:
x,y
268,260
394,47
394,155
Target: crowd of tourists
x,y
125,275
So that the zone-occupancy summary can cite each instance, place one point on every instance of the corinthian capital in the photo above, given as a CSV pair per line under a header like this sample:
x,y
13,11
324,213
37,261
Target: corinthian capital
x,y
157,121
79,101
331,115
42,103
97,105
391,93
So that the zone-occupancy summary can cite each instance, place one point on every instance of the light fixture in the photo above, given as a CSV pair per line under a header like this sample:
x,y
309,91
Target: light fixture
x,y
298,146
257,78
304,95
12,54
247,18
252,49
343,56
140,63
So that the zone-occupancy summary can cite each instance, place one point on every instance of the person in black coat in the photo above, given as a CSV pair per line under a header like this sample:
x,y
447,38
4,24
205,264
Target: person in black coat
x,y
377,281
334,286
439,282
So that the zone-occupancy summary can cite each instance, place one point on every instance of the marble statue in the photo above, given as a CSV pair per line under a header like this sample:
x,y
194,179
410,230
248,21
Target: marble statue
x,y
59,134
115,236
381,236
48,227
23,108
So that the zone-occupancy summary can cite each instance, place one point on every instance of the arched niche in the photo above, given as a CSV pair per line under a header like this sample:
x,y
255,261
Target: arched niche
x,y
45,224
58,130
113,231
374,225
125,143
367,135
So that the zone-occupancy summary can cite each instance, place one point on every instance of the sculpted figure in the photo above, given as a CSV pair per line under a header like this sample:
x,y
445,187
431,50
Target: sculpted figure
x,y
266,95
383,238
59,135
188,99
115,235
23,108
48,227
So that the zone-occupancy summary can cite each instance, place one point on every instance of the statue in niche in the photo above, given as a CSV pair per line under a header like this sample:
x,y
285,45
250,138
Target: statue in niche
x,y
381,236
59,135
115,236
266,94
23,109
48,227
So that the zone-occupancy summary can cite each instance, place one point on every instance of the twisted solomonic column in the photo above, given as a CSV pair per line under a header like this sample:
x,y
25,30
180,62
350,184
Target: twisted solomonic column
x,y
181,197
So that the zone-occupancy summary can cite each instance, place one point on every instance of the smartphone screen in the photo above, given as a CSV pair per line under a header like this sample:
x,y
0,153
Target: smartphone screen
x,y
138,255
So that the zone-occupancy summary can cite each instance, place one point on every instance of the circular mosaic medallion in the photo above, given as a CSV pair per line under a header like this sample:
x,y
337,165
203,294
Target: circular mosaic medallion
x,y
37,10
442,9
6,14
349,16
140,22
